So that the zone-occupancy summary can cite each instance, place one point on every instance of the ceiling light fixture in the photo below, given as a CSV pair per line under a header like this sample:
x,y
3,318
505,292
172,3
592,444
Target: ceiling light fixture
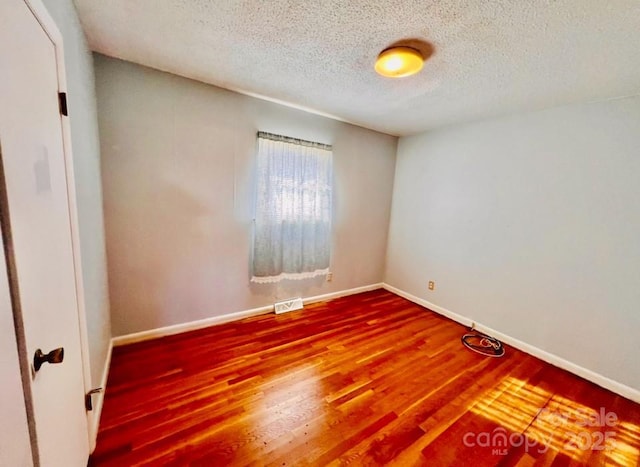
x,y
398,62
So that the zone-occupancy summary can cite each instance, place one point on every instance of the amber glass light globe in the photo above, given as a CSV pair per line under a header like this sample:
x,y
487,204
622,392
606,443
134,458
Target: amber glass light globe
x,y
398,62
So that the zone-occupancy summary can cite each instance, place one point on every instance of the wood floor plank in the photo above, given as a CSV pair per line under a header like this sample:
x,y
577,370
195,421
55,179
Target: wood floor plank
x,y
370,379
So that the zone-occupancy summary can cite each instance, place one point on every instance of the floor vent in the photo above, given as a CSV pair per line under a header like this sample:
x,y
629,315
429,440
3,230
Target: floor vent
x,y
288,305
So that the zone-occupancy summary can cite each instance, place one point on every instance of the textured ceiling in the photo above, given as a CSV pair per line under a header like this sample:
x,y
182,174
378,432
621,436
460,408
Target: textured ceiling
x,y
492,57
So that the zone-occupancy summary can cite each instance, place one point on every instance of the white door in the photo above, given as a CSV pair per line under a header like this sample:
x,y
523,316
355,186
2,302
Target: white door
x,y
36,214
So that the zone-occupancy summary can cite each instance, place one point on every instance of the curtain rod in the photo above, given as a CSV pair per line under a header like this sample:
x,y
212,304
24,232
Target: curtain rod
x,y
288,139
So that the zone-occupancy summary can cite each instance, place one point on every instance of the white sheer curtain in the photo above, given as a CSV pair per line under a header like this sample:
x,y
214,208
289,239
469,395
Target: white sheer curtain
x,y
292,238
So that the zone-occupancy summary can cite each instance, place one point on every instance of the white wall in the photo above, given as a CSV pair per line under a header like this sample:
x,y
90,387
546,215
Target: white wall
x,y
530,225
86,163
177,161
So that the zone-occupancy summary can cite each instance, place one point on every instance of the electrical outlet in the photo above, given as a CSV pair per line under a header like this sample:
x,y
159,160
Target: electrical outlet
x,y
432,285
329,276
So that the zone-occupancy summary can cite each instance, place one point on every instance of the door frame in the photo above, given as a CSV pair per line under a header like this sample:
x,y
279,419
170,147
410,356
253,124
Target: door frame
x,y
50,28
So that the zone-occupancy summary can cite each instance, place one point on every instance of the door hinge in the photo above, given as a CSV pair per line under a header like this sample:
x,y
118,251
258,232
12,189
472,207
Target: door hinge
x,y
62,101
88,403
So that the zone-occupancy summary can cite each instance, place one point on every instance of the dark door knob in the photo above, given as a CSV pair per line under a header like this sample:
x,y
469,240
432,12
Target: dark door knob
x,y
55,356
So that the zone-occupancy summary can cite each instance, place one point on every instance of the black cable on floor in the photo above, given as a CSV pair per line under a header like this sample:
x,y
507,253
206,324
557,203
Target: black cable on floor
x,y
483,344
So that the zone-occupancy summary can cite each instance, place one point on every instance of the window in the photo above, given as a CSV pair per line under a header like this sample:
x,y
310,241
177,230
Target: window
x,y
292,238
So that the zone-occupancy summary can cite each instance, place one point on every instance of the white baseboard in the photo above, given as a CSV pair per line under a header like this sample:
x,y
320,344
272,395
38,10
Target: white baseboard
x,y
603,381
341,293
215,320
99,399
189,326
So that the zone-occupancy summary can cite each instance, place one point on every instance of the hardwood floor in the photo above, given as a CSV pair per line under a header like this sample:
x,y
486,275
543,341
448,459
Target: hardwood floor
x,y
370,379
